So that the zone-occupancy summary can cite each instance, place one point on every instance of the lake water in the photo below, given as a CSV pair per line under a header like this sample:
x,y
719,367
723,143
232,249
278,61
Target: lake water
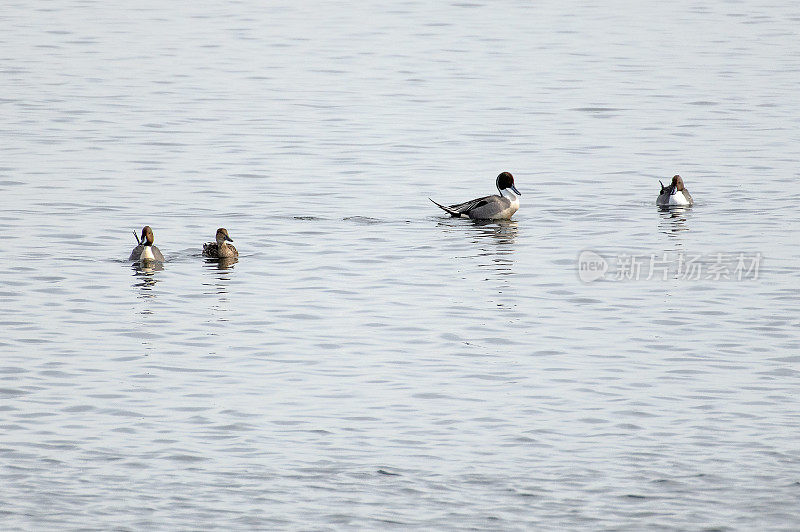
x,y
368,362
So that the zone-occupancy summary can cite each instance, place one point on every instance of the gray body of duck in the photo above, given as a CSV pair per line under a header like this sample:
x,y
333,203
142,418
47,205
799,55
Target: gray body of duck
x,y
220,249
146,251
676,194
500,207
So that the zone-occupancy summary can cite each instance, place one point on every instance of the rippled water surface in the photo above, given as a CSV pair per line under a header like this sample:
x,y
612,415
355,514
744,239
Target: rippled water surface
x,y
368,362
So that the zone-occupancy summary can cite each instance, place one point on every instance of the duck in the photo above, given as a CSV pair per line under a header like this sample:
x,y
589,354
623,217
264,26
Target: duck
x,y
493,207
220,249
676,194
146,251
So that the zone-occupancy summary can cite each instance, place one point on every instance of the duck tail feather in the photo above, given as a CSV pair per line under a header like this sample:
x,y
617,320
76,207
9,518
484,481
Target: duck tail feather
x,y
451,212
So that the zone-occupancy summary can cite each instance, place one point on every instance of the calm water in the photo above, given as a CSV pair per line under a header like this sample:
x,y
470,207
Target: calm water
x,y
369,363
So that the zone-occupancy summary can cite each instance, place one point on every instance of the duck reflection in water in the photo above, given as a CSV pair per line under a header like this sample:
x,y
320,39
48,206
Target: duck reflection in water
x,y
147,267
673,220
221,264
495,240
144,280
503,232
220,271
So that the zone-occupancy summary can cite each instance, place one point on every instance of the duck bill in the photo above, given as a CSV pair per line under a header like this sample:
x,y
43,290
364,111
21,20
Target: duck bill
x,y
517,192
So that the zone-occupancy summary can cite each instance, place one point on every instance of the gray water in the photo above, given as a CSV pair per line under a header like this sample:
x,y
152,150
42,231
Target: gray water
x,y
368,362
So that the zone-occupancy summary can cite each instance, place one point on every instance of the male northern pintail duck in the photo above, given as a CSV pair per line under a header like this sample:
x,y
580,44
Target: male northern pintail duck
x,y
220,249
500,207
675,194
146,251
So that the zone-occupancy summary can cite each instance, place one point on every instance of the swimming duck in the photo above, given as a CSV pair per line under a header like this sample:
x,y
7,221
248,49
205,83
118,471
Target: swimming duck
x,y
675,194
220,249
146,251
500,207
